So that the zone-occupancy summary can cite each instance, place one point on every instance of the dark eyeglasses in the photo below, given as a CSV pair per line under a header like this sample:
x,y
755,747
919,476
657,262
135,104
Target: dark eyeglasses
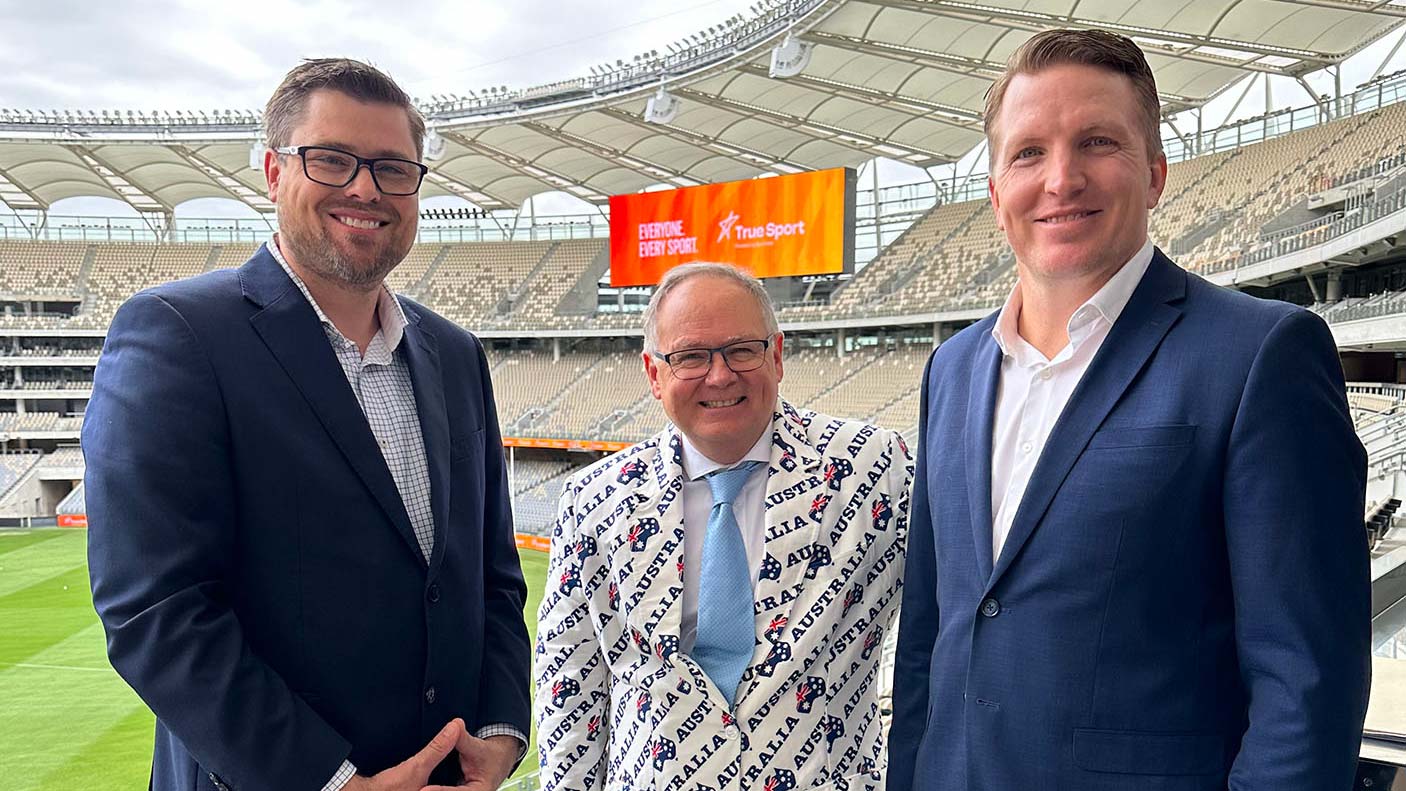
x,y
334,167
740,357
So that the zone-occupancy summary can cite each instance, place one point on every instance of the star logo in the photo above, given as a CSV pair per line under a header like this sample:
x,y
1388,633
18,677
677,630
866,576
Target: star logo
x,y
725,227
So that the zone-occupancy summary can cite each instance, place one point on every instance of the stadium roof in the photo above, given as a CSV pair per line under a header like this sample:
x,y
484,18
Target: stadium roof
x,y
902,79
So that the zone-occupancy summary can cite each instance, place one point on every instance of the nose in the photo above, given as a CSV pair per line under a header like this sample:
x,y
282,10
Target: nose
x,y
363,186
1065,173
718,372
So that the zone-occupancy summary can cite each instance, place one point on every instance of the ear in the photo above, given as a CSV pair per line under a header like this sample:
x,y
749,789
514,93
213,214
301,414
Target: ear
x,y
1159,180
995,201
776,354
652,372
273,170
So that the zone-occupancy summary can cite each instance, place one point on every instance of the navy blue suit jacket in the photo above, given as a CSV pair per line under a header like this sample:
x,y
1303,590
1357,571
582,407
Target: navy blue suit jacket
x,y
1183,600
252,562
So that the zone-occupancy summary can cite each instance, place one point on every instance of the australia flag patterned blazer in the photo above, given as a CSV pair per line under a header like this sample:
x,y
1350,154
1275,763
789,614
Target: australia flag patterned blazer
x,y
620,707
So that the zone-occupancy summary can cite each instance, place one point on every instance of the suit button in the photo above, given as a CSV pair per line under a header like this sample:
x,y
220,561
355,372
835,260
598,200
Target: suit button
x,y
990,608
429,695
433,593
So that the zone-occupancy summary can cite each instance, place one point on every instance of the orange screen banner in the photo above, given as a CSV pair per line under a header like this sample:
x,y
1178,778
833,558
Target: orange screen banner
x,y
783,226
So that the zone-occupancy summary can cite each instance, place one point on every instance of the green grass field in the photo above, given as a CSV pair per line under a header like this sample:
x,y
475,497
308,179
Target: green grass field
x,y
68,720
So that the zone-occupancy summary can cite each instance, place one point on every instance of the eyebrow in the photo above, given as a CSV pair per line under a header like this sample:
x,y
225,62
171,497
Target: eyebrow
x,y
1095,128
381,154
696,344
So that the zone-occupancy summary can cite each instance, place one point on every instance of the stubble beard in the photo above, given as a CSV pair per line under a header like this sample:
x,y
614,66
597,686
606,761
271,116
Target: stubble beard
x,y
315,251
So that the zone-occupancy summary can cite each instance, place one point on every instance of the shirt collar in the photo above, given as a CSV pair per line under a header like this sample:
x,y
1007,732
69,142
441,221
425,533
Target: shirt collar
x,y
388,310
1107,303
696,465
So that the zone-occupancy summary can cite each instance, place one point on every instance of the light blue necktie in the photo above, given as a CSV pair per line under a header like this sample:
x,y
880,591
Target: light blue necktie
x,y
726,628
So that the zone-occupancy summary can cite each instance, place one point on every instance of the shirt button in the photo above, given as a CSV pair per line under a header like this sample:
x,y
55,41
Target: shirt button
x,y
990,608
429,695
1046,374
1026,447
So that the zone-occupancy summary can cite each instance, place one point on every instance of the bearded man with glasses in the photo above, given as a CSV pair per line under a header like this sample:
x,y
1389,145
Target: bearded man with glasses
x,y
300,539
718,594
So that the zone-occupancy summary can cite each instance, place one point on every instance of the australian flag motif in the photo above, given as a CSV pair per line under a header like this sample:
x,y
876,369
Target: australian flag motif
x,y
631,471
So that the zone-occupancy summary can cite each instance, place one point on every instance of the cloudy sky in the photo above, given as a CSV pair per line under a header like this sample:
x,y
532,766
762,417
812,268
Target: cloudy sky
x,y
199,54
203,55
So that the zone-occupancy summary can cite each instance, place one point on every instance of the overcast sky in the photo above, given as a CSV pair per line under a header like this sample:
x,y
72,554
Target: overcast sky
x,y
201,55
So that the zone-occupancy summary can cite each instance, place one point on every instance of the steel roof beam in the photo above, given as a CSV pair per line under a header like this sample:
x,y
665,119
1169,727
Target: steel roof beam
x,y
1382,7
947,114
742,155
955,64
7,180
857,141
623,158
542,175
225,180
474,195
118,182
1040,21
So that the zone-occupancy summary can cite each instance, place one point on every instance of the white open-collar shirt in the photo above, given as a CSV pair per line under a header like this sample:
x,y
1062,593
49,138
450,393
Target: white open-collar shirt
x,y
1033,390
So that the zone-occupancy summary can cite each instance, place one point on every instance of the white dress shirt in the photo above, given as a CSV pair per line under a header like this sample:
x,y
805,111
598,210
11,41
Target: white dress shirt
x,y
1033,391
749,508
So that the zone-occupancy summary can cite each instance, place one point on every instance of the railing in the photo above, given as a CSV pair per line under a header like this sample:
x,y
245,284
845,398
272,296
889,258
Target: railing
x,y
1311,234
1375,307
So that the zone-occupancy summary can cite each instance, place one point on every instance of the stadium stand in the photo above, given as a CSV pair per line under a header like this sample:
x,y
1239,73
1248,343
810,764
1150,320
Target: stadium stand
x,y
13,466
73,504
41,269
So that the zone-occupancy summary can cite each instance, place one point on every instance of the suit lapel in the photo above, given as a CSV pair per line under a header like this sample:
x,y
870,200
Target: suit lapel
x,y
1130,343
421,350
290,329
981,408
790,528
792,486
650,539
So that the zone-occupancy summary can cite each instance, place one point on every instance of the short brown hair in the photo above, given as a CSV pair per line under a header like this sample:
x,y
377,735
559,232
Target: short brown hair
x,y
1098,48
361,81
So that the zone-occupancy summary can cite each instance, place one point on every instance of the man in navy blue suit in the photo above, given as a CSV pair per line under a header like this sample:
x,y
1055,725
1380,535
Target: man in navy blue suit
x,y
300,537
1137,557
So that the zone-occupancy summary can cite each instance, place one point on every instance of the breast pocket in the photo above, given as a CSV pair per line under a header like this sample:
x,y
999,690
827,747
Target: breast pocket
x,y
465,446
1124,473
1168,436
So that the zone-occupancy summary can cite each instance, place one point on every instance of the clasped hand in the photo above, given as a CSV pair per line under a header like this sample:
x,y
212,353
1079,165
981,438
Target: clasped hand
x,y
484,763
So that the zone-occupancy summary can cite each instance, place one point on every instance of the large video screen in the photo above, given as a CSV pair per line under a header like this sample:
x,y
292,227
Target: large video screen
x,y
783,226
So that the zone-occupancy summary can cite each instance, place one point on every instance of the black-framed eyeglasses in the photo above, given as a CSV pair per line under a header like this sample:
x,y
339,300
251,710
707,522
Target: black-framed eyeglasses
x,y
334,167
740,357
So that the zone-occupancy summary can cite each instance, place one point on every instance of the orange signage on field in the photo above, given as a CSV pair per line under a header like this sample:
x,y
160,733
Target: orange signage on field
x,y
783,226
539,543
565,444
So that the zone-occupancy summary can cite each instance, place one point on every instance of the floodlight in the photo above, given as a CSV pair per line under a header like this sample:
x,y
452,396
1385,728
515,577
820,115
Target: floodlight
x,y
661,108
790,57
435,146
